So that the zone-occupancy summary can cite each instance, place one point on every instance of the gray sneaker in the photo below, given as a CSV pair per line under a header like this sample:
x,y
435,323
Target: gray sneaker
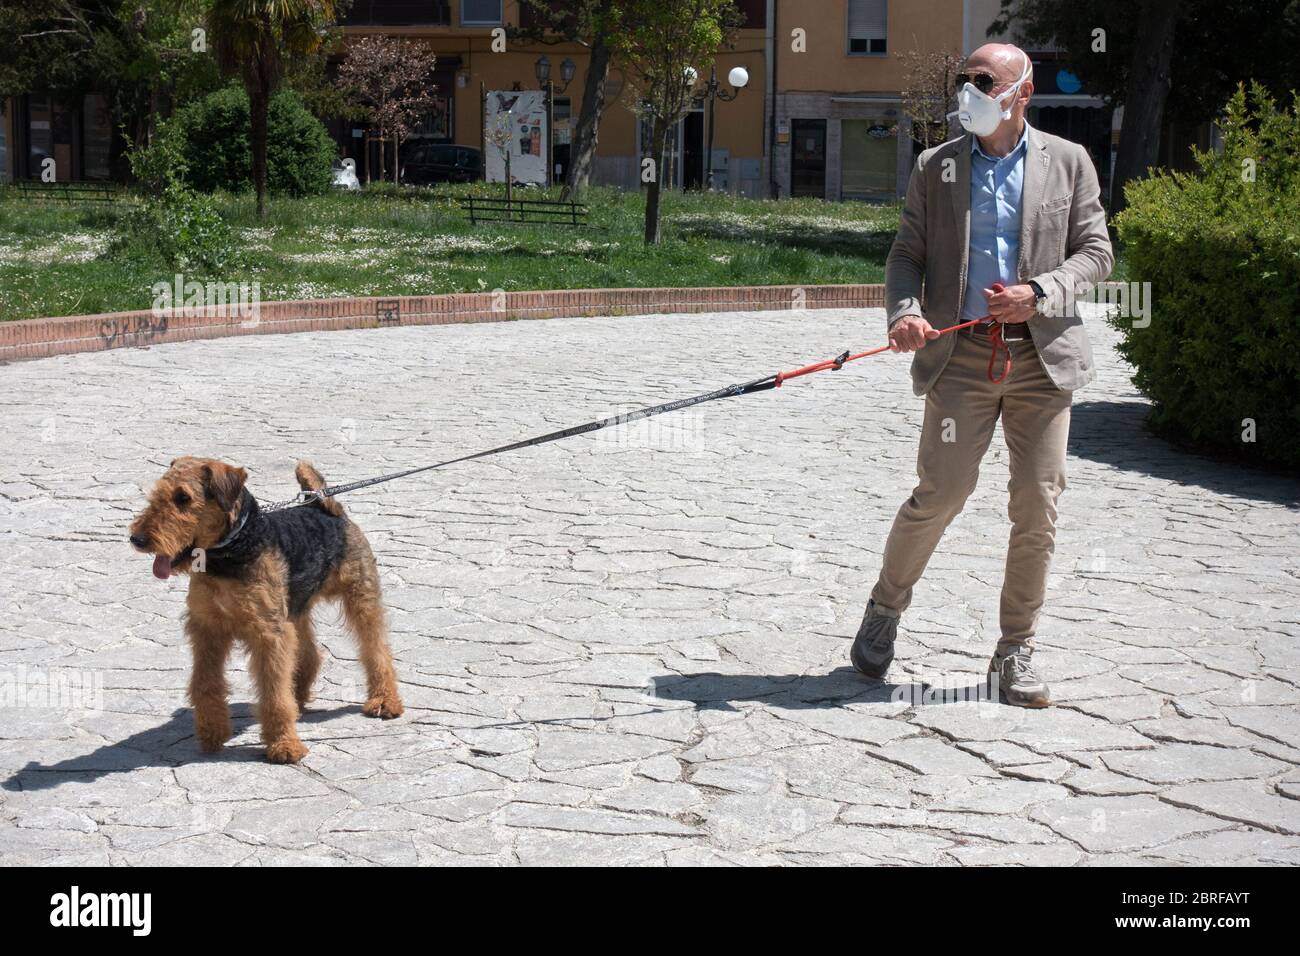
x,y
1017,682
873,648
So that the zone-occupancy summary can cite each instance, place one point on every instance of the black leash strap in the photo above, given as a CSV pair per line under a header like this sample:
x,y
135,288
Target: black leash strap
x,y
731,391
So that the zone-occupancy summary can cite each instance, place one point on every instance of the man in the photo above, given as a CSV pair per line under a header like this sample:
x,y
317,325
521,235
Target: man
x,y
1009,206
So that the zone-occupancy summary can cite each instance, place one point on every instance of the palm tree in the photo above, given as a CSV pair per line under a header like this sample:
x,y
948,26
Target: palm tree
x,y
254,38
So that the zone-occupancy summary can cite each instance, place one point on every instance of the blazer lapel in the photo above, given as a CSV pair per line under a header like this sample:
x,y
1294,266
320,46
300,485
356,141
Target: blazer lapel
x,y
1037,159
959,195
959,191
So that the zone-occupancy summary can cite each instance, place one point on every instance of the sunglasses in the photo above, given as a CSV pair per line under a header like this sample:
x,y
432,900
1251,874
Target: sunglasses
x,y
984,82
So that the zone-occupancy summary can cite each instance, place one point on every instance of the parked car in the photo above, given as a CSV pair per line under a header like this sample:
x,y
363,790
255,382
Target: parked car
x,y
345,174
441,163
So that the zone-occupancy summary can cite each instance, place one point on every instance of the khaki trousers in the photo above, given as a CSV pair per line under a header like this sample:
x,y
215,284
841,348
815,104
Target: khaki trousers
x,y
961,411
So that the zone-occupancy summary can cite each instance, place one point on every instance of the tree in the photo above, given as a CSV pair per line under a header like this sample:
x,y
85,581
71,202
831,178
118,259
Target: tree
x,y
313,77
500,135
667,45
594,24
1144,98
389,79
254,39
45,44
138,54
929,85
1180,59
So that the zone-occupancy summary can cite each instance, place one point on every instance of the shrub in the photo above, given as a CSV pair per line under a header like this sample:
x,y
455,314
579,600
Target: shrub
x,y
300,153
179,228
1220,359
160,162
214,133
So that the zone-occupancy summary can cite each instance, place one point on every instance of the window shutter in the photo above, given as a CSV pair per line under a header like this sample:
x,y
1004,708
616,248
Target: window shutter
x,y
867,19
480,11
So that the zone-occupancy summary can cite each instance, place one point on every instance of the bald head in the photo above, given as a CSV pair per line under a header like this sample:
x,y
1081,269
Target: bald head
x,y
1005,61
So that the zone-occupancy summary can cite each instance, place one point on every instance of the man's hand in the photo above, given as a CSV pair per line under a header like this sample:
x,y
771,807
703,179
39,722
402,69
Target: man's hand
x,y
1016,303
910,333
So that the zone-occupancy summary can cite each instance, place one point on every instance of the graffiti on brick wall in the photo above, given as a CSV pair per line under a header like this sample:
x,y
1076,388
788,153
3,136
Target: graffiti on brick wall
x,y
114,332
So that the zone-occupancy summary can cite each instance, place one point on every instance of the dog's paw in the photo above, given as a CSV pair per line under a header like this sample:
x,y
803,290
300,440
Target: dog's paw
x,y
385,706
212,734
286,751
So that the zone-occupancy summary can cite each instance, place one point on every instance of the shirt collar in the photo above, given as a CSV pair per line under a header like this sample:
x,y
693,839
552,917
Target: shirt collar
x,y
1022,145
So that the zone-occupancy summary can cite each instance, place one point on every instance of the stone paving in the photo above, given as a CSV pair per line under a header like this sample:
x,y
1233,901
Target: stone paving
x,y
631,648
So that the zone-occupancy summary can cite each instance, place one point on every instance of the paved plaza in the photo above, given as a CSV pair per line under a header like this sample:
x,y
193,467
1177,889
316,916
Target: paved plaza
x,y
631,647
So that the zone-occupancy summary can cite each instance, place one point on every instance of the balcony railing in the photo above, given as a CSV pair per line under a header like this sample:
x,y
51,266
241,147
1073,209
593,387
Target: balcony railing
x,y
398,13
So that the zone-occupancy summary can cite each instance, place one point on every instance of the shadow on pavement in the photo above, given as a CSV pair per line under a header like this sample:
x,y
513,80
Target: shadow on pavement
x,y
1115,433
160,746
711,691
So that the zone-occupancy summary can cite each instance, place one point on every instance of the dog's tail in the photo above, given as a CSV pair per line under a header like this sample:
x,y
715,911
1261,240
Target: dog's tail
x,y
309,479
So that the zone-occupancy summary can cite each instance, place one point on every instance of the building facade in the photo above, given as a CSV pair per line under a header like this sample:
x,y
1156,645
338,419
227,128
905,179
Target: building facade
x,y
821,116
465,36
71,138
837,128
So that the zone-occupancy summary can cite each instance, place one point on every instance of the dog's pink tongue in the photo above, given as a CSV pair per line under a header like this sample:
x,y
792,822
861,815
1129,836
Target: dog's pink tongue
x,y
162,567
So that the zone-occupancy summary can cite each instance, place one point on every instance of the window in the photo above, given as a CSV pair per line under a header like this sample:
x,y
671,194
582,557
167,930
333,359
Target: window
x,y
437,123
754,13
867,23
868,159
398,13
561,117
96,137
40,136
479,12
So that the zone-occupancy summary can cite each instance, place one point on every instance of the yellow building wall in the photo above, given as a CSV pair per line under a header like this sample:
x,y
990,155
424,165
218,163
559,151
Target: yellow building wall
x,y
926,25
739,124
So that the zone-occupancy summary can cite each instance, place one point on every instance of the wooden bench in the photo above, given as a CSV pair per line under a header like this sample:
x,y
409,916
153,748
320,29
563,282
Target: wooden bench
x,y
527,211
67,192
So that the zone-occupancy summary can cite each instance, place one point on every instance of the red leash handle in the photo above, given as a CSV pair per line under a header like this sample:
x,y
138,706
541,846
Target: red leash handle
x,y
998,344
995,335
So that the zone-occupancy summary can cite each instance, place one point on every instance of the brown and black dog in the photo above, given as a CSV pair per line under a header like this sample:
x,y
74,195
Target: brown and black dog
x,y
254,577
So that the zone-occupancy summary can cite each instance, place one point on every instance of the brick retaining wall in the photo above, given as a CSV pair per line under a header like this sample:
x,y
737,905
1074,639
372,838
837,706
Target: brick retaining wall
x,y
41,338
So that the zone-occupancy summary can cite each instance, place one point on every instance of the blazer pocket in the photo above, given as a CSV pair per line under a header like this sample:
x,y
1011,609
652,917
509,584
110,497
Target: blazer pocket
x,y
1053,205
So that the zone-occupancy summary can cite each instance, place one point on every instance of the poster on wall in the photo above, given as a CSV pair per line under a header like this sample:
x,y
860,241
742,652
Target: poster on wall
x,y
515,120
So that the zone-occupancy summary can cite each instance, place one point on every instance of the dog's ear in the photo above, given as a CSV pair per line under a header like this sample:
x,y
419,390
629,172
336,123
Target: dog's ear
x,y
224,484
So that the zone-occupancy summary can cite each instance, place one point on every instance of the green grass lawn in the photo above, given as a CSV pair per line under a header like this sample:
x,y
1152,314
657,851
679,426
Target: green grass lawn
x,y
56,259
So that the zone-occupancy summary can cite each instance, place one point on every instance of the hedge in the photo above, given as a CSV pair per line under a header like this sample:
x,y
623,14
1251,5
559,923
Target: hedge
x,y
214,139
1220,359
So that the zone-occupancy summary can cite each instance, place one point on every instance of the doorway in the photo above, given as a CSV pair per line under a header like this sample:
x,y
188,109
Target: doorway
x,y
808,158
693,150
683,150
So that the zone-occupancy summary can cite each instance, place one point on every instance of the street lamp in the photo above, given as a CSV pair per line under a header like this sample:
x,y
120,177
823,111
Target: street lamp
x,y
542,70
738,78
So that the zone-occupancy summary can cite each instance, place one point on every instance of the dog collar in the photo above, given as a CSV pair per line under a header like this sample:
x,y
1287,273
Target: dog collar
x,y
244,512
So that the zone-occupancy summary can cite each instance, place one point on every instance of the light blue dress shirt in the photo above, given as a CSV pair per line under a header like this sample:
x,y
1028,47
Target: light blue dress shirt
x,y
995,189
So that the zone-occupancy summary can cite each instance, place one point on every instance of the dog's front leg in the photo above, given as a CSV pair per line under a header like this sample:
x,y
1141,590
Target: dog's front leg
x,y
208,691
274,658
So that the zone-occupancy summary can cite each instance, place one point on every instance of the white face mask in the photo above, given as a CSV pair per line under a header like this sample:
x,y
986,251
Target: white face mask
x,y
980,113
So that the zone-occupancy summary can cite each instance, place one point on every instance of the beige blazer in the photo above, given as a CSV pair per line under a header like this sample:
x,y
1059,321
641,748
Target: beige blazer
x,y
1064,247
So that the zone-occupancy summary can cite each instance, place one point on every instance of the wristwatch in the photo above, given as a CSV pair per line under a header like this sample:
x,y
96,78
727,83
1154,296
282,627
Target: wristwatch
x,y
1039,294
